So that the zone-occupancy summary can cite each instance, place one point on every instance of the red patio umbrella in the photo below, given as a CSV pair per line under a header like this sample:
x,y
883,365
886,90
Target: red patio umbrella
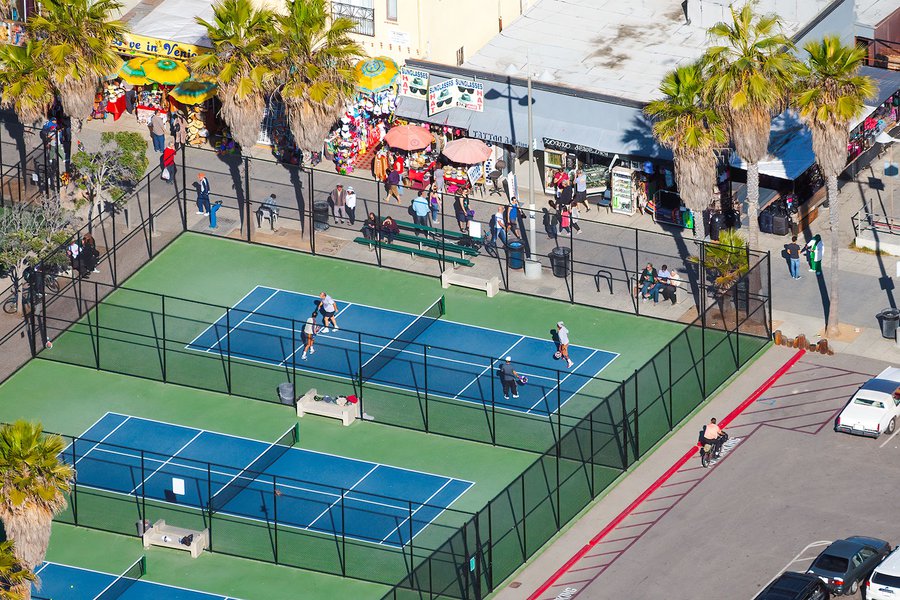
x,y
467,151
408,137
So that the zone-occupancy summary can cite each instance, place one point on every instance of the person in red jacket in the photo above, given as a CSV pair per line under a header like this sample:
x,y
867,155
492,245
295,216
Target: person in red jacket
x,y
168,162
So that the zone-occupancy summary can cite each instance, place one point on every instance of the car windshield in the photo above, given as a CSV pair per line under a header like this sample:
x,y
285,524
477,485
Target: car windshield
x,y
885,579
833,564
867,402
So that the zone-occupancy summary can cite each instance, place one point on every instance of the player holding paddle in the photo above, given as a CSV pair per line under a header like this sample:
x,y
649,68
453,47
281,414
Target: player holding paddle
x,y
310,329
563,335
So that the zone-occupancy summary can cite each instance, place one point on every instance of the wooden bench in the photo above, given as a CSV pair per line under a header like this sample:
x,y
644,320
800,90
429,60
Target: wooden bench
x,y
308,404
634,279
436,244
169,536
491,286
447,233
414,251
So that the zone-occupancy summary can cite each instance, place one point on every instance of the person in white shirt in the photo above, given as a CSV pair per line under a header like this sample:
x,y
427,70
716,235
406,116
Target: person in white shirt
x,y
309,335
563,335
329,309
498,227
350,204
662,280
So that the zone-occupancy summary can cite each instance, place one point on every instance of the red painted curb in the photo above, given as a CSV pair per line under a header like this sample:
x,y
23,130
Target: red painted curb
x,y
664,477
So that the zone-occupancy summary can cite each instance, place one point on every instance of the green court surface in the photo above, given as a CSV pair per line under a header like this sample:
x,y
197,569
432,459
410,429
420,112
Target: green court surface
x,y
139,336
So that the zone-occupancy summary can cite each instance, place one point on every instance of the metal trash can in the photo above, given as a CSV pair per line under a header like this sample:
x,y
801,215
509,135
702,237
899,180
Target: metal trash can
x,y
320,215
286,393
515,255
889,318
559,261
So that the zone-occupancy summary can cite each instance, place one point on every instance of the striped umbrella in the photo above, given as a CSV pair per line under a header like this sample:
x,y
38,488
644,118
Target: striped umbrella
x,y
133,71
165,71
193,91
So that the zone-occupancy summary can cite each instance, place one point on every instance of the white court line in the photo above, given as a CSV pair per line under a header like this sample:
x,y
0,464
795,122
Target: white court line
x,y
249,314
342,496
797,558
302,345
247,295
41,568
92,425
398,337
174,587
408,517
489,367
559,385
78,460
168,460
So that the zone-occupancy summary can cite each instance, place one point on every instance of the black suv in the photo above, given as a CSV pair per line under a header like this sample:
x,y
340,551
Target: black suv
x,y
795,586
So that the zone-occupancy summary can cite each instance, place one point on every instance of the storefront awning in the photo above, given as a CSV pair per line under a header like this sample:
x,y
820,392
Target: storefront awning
x,y
417,110
790,143
169,30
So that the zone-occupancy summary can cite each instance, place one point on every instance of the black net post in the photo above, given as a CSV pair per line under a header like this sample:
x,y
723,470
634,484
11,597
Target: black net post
x,y
571,257
591,455
524,519
97,325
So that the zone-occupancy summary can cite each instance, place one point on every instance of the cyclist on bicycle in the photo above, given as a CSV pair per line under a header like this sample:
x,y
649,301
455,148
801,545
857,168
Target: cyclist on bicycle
x,y
714,435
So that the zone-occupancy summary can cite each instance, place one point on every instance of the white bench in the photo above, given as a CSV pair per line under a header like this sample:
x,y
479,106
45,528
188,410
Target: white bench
x,y
308,404
169,536
491,286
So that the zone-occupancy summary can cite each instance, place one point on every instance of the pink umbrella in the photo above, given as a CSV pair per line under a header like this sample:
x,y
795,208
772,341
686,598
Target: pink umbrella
x,y
467,151
408,137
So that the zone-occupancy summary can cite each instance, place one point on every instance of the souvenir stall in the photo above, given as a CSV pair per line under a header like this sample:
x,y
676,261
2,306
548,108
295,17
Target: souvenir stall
x,y
193,98
467,168
862,137
141,85
412,153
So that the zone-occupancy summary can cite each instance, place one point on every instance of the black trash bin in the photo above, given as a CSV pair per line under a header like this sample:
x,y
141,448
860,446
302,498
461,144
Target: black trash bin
x,y
515,255
889,318
320,215
559,261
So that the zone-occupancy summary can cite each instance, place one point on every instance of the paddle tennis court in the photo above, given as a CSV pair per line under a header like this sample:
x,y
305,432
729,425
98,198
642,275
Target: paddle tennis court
x,y
401,350
246,478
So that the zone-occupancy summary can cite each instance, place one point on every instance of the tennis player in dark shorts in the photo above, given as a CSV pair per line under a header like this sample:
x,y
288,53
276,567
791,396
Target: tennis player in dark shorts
x,y
328,307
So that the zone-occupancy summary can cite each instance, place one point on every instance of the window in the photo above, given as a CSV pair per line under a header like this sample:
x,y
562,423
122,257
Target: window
x,y
391,10
361,12
460,56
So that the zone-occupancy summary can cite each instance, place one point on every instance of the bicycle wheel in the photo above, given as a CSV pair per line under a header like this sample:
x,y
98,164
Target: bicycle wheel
x,y
704,457
10,306
52,284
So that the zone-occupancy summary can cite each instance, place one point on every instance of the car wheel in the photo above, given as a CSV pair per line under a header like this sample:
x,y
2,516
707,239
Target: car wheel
x,y
890,426
854,587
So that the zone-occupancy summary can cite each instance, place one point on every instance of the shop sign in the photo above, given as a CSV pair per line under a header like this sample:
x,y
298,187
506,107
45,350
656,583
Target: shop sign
x,y
475,173
413,83
470,95
401,38
496,138
139,44
570,147
442,96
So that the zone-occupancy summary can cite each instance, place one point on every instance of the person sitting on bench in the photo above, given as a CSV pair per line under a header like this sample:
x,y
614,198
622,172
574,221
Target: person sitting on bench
x,y
668,292
370,227
389,229
662,280
647,279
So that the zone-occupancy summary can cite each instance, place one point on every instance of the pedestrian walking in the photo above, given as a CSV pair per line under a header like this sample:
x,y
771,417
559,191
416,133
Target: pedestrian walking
x,y
581,189
158,131
392,184
338,201
310,329
420,211
434,203
562,334
509,379
179,130
511,215
438,179
463,213
814,251
793,255
202,187
350,204
167,163
566,193
498,227
328,308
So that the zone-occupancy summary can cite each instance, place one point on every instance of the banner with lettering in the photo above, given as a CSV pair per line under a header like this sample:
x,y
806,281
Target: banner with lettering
x,y
138,44
442,96
470,95
413,83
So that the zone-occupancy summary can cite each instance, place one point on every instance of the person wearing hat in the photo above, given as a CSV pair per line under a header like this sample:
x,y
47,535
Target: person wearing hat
x,y
350,205
562,335
202,187
509,379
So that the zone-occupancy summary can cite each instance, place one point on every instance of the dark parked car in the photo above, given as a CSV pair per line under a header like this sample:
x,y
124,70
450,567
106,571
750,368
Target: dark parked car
x,y
795,586
844,564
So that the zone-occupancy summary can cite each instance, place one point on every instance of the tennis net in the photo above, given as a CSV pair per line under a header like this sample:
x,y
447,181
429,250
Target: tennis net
x,y
262,462
124,581
404,339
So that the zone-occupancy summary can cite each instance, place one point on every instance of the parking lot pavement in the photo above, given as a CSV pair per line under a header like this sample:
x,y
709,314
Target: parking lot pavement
x,y
787,486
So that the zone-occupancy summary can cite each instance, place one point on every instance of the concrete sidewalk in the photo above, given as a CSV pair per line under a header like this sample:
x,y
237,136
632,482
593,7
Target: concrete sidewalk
x,y
523,584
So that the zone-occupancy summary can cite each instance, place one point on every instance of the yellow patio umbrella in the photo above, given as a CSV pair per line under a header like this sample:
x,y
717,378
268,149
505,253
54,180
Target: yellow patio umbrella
x,y
120,62
376,74
165,71
133,71
193,91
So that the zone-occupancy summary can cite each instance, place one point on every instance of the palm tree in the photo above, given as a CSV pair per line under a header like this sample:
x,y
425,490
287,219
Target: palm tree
x,y
751,77
242,37
316,58
830,94
33,484
78,36
729,260
15,578
689,126
24,81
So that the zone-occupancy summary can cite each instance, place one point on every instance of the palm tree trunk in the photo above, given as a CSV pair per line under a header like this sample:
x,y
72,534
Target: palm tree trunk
x,y
29,529
833,324
753,205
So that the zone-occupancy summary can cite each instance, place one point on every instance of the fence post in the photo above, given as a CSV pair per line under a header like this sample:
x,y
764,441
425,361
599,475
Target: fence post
x,y
769,292
247,194
183,202
114,261
343,538
412,559
493,401
164,364
275,516
96,323
592,483
558,448
624,427
293,355
671,409
74,495
637,270
209,511
149,218
490,547
359,371
312,211
378,218
425,363
637,419
524,520
143,492
571,258
228,347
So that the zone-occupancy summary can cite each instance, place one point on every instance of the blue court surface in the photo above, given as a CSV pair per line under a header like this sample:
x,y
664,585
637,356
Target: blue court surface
x,y
316,491
62,582
265,327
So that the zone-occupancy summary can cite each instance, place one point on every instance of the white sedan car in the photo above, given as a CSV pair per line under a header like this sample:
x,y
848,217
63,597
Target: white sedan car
x,y
874,408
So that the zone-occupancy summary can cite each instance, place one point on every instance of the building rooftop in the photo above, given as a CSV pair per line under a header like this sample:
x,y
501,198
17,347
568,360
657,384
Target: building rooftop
x,y
613,47
873,12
